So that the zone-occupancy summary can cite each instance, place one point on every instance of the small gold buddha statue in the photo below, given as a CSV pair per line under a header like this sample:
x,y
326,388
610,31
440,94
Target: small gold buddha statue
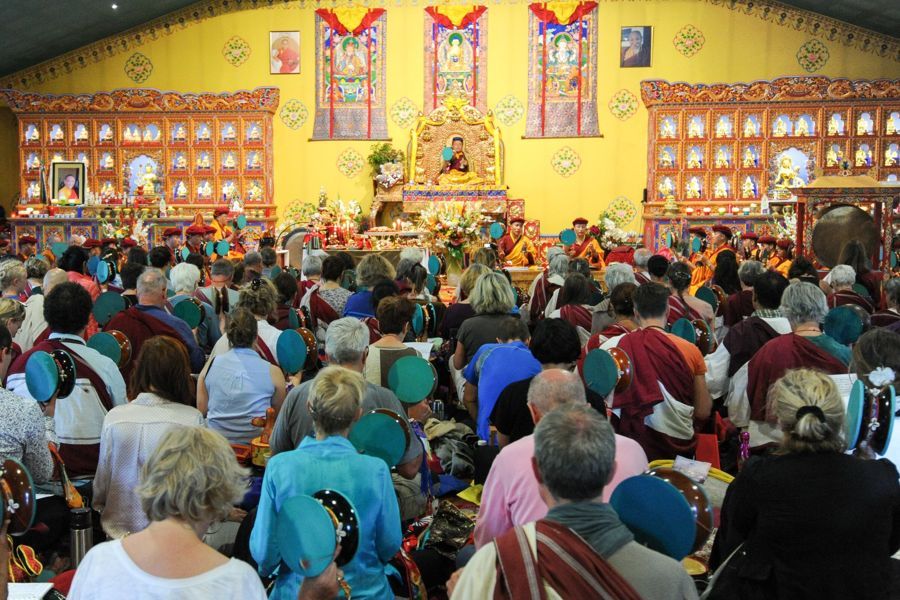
x,y
862,157
695,130
180,190
32,134
862,127
801,128
254,160
203,133
181,162
721,159
749,159
788,174
750,128
890,157
780,128
228,133
228,162
834,126
255,191
56,134
180,134
668,129
693,188
254,134
747,190
722,127
666,187
203,161
721,188
204,190
665,159
832,158
890,128
693,161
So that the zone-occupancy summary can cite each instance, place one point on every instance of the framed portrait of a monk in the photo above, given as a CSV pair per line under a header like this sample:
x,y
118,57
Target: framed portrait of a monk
x,y
68,182
636,44
284,52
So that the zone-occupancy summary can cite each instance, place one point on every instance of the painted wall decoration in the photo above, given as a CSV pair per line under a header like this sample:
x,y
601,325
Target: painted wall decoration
x,y
293,113
565,161
456,54
138,67
350,163
509,110
623,105
236,51
562,70
350,69
689,41
403,112
812,55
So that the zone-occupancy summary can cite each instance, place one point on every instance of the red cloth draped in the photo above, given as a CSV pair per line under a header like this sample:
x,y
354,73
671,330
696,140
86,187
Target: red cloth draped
x,y
885,318
319,310
745,339
542,293
678,309
846,297
784,352
332,20
655,359
577,315
597,340
139,327
736,307
565,562
546,15
445,22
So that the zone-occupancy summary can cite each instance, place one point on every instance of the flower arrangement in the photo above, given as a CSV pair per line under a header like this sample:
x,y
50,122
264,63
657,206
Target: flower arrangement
x,y
382,154
298,214
452,226
609,235
786,226
390,175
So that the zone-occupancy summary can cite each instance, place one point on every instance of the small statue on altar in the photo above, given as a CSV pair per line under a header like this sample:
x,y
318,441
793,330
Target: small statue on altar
x,y
106,133
32,135
801,129
890,156
33,163
81,134
832,158
254,134
665,159
148,181
455,170
203,161
203,133
693,188
107,189
33,191
750,128
695,130
694,161
748,190
163,210
834,126
863,125
780,128
228,134
721,188
150,135
749,159
254,192
788,175
890,128
666,187
180,134
56,134
57,157
668,129
863,157
228,189
180,189
204,190
721,159
723,127
229,163
254,162
180,162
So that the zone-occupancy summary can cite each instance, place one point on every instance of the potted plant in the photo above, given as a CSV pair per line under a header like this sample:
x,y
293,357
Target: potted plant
x,y
385,154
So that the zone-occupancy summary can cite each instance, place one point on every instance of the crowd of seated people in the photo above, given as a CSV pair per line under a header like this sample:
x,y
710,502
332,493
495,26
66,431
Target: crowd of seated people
x,y
514,432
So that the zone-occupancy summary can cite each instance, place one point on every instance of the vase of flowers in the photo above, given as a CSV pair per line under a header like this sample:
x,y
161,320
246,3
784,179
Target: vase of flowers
x,y
386,164
609,235
450,228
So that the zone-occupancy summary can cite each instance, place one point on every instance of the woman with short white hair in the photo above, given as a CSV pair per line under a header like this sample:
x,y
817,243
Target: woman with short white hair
x,y
615,275
493,300
843,278
189,482
184,278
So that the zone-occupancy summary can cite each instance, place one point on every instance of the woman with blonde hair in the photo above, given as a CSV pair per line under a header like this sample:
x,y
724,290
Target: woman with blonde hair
x,y
12,315
329,461
190,481
810,521
493,299
370,270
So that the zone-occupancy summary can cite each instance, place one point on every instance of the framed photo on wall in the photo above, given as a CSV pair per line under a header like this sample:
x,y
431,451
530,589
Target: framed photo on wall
x,y
284,52
636,44
68,181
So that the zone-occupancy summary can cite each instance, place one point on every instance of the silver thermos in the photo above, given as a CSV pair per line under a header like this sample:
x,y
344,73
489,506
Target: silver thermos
x,y
80,534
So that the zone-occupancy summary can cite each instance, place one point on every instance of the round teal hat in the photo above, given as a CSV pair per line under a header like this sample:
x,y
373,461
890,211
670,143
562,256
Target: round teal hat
x,y
657,514
106,271
189,312
707,295
92,264
701,507
412,379
856,406
696,244
58,248
306,535
685,330
431,284
107,345
496,230
185,252
107,305
48,374
601,373
291,351
843,324
567,236
241,221
447,153
434,265
418,320
210,248
380,435
222,248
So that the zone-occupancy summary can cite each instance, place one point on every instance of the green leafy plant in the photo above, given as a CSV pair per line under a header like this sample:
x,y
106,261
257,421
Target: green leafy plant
x,y
381,154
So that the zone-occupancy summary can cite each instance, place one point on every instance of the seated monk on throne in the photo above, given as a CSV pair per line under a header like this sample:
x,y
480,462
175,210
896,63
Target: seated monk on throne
x,y
455,170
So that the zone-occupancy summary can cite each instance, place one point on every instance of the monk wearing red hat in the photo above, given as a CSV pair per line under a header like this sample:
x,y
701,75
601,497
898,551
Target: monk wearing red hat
x,y
194,242
781,262
515,248
766,248
129,243
27,247
171,238
223,232
749,246
93,246
703,272
585,246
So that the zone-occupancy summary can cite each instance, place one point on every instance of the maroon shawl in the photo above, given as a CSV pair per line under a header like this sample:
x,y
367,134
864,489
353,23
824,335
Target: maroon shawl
x,y
139,327
745,339
577,316
543,290
679,309
885,318
320,310
845,297
737,307
565,562
777,356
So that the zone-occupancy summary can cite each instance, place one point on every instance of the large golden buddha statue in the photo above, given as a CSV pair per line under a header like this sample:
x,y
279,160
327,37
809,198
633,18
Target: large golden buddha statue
x,y
455,168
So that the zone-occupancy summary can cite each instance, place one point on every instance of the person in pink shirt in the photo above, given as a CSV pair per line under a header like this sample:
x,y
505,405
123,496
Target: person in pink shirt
x,y
511,494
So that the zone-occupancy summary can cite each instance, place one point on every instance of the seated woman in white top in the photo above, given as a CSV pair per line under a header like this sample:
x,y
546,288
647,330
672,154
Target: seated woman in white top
x,y
260,297
131,432
237,385
190,481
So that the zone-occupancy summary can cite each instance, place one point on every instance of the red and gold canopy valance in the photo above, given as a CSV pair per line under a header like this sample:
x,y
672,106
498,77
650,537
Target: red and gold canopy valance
x,y
455,17
352,20
561,13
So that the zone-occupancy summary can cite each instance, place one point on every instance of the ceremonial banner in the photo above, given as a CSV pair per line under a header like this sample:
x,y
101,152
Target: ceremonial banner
x,y
350,86
562,70
456,54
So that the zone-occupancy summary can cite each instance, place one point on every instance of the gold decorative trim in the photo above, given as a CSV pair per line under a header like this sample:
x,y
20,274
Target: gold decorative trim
x,y
768,10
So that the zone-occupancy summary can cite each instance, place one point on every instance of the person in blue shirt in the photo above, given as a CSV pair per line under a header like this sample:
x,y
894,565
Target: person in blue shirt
x,y
495,366
329,461
371,269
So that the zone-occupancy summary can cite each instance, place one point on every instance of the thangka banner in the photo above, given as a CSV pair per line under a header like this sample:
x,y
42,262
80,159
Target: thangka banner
x,y
350,86
455,55
562,70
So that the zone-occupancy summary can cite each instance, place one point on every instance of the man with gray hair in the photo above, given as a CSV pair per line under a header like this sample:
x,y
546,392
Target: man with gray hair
x,y
843,277
511,494
739,305
35,325
616,273
803,304
148,318
346,345
641,257
219,293
545,284
581,539
890,316
253,266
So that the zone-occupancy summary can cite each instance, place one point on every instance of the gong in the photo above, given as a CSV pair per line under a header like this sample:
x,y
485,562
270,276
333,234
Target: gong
x,y
837,225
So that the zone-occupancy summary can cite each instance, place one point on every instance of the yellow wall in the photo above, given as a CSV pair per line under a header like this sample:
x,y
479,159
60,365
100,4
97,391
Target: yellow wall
x,y
738,48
